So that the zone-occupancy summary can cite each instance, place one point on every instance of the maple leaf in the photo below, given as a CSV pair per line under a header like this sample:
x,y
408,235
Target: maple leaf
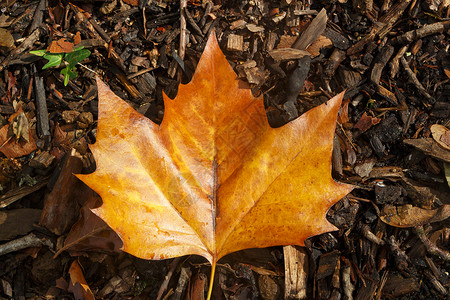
x,y
214,177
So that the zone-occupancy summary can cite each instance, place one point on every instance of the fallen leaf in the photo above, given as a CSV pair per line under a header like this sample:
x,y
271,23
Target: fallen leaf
x,y
60,46
78,285
132,2
77,38
441,135
90,233
447,72
60,205
365,122
343,112
411,216
14,141
214,177
20,127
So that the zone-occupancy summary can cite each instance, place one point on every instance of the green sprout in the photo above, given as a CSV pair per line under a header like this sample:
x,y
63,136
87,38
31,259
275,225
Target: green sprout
x,y
72,59
370,103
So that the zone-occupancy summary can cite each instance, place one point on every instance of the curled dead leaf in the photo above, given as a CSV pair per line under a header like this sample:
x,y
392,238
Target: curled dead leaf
x,y
441,135
365,122
410,216
60,46
78,285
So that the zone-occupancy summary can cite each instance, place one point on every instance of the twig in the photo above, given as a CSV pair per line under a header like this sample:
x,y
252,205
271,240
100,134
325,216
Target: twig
x,y
165,284
365,229
192,23
24,242
87,68
145,21
421,32
431,247
139,73
41,107
207,11
415,81
183,31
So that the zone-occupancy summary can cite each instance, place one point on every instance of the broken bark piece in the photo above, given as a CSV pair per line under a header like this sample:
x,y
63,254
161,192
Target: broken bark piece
x,y
42,161
380,62
270,41
430,147
333,62
38,16
314,30
268,288
254,28
320,43
397,286
192,23
394,65
287,54
238,24
17,194
235,42
386,94
329,265
297,78
296,265
17,222
197,287
338,40
422,196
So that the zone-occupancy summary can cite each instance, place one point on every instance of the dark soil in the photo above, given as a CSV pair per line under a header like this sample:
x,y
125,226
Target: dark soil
x,y
392,58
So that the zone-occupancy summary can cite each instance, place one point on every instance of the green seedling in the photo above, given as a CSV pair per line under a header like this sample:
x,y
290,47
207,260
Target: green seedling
x,y
71,59
370,103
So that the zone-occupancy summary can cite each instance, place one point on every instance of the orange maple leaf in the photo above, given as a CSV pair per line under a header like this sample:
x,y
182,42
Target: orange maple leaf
x,y
214,177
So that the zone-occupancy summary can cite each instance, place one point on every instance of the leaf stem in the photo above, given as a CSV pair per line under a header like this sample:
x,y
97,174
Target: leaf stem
x,y
211,280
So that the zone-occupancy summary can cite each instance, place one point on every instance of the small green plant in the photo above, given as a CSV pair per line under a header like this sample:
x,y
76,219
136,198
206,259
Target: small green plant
x,y
370,103
71,58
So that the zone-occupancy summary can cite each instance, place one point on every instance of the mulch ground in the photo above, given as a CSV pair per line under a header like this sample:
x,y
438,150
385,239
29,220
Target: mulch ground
x,y
392,141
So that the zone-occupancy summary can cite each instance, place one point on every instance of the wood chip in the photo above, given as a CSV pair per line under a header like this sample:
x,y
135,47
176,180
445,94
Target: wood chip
x,y
235,42
287,54
430,147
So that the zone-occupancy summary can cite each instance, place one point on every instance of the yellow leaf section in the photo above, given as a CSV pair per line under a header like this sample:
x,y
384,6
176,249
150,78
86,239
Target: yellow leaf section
x,y
284,188
133,172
